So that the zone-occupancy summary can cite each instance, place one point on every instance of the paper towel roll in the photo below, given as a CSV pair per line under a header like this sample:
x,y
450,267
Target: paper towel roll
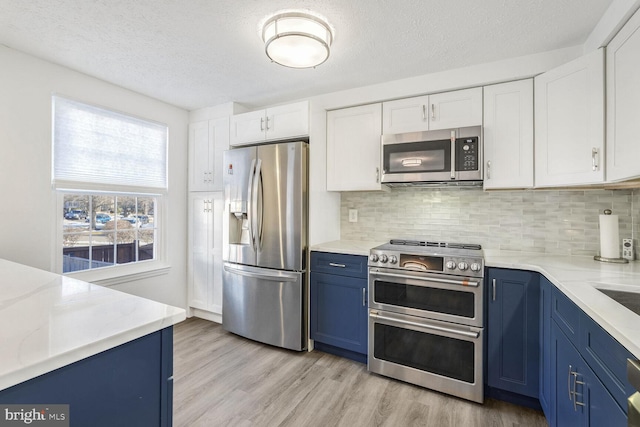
x,y
609,236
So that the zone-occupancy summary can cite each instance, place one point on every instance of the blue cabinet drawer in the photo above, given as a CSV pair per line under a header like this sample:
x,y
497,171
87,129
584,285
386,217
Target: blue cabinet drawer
x,y
567,315
340,264
608,359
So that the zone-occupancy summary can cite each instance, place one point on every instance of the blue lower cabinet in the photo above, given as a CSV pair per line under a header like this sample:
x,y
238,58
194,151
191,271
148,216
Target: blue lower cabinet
x,y
513,332
338,315
129,385
580,397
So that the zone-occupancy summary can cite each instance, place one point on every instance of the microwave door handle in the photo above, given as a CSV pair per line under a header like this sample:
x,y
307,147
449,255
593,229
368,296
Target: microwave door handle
x,y
453,154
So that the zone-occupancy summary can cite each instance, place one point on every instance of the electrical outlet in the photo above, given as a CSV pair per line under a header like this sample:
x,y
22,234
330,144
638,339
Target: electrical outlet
x,y
627,249
353,215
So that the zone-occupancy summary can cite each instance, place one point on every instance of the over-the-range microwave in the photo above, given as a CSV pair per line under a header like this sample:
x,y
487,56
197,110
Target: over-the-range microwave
x,y
437,156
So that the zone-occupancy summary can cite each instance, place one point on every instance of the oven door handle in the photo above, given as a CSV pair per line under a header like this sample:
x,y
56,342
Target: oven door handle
x,y
474,335
427,279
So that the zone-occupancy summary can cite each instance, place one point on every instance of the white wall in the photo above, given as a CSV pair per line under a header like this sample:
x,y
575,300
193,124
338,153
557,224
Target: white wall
x,y
27,231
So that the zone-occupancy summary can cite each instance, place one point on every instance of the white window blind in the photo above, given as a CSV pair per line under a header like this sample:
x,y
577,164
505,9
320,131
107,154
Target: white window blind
x,y
98,148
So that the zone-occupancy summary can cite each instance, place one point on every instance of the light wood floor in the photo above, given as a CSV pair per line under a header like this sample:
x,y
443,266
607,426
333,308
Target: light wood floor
x,y
221,379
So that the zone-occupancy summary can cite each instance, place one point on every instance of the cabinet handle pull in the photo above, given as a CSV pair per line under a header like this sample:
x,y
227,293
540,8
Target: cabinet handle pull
x,y
569,383
377,175
489,169
364,297
594,160
262,123
424,112
267,122
433,111
493,289
575,393
333,264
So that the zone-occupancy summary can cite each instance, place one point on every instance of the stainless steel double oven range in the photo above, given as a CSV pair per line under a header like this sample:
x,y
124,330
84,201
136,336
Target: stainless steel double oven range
x,y
426,315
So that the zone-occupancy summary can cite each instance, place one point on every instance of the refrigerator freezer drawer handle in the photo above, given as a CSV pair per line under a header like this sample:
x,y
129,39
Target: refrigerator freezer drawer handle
x,y
275,276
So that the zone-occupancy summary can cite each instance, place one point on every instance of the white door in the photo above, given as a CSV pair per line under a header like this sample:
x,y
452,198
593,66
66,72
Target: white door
x,y
200,173
623,103
569,123
288,121
508,135
247,128
205,251
455,109
405,115
218,142
353,148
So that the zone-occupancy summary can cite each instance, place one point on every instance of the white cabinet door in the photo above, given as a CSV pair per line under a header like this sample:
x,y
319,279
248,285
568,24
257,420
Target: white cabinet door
x,y
623,103
353,148
569,123
508,135
207,141
287,121
405,115
275,123
455,109
218,143
200,173
205,251
247,128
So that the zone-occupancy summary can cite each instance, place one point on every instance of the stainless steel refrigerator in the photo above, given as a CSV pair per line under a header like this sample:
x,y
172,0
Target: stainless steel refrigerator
x,y
265,228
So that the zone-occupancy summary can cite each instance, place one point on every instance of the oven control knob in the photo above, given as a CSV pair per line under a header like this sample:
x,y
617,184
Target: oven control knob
x,y
463,266
451,265
475,267
373,258
383,258
393,259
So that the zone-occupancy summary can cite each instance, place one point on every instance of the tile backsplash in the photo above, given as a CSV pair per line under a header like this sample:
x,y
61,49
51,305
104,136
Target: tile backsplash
x,y
547,221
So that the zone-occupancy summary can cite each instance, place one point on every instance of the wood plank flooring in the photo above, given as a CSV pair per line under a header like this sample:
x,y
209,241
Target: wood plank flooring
x,y
221,379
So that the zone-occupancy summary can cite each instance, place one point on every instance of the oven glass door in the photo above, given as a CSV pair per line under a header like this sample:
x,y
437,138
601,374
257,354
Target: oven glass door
x,y
437,355
417,157
439,297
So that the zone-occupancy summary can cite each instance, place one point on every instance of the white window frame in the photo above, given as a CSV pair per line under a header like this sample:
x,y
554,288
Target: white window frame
x,y
118,273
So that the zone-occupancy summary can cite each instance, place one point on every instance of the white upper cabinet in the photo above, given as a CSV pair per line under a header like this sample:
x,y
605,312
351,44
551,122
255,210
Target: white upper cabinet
x,y
439,111
456,109
508,135
276,123
569,123
623,103
353,148
405,115
207,141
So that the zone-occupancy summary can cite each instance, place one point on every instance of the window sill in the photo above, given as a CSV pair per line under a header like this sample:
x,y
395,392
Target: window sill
x,y
112,276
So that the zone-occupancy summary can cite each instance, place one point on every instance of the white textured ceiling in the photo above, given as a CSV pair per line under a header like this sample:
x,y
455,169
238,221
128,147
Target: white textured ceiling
x,y
198,53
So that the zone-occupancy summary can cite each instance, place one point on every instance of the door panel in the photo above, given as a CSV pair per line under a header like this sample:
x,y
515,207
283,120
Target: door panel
x,y
264,305
282,206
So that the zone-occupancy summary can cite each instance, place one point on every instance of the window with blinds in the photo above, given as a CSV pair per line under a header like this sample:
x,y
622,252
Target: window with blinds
x,y
110,170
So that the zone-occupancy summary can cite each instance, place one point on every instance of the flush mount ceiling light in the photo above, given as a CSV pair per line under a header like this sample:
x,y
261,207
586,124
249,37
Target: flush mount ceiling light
x,y
297,39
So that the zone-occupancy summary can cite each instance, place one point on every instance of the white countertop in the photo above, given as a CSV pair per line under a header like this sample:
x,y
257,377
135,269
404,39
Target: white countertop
x,y
49,321
577,277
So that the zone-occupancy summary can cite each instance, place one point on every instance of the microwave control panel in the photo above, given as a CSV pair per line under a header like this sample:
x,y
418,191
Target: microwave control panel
x,y
467,154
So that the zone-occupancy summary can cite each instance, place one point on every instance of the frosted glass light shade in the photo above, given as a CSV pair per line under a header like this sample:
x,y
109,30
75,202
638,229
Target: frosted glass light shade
x,y
297,40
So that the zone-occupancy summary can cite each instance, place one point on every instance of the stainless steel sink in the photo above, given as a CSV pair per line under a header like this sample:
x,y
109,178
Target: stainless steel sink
x,y
631,300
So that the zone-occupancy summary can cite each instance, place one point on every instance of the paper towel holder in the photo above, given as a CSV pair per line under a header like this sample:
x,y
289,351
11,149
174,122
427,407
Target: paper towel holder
x,y
611,260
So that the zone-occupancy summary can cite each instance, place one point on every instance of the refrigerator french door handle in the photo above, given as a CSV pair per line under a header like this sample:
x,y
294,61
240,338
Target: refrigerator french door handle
x,y
250,203
256,210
